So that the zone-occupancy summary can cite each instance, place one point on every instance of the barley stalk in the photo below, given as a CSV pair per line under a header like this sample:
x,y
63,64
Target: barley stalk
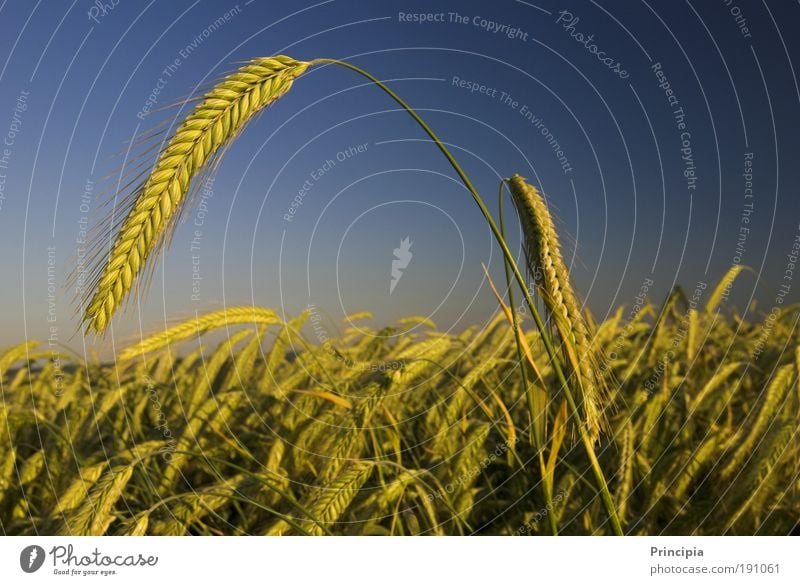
x,y
543,253
213,123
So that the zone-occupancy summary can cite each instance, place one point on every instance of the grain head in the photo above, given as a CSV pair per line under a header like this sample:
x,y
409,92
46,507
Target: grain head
x,y
216,120
545,262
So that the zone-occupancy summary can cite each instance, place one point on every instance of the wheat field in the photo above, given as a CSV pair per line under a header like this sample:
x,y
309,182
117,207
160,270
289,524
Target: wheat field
x,y
666,418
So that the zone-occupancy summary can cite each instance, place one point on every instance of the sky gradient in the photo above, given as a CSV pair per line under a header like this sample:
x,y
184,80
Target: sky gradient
x,y
663,135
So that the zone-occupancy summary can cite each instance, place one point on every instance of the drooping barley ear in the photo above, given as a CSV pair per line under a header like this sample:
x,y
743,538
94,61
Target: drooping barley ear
x,y
545,262
327,503
96,513
217,119
759,422
200,325
78,490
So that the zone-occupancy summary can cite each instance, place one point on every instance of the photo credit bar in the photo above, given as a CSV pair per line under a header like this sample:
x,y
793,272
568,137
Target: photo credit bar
x,y
630,560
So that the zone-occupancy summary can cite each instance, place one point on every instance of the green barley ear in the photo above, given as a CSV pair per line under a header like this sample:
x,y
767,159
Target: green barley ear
x,y
154,208
545,262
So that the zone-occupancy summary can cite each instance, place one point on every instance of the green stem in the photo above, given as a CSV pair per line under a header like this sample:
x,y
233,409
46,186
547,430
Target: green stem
x,y
509,257
536,438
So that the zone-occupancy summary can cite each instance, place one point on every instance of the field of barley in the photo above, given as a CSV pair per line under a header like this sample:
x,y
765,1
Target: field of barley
x,y
673,416
404,430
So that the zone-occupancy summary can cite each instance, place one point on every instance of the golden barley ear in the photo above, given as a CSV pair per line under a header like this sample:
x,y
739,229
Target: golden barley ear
x,y
228,317
545,262
156,205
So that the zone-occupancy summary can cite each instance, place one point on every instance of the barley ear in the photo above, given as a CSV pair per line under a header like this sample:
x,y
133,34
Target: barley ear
x,y
217,119
200,325
545,262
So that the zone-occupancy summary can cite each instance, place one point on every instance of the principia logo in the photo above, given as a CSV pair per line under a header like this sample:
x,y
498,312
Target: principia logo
x,y
66,561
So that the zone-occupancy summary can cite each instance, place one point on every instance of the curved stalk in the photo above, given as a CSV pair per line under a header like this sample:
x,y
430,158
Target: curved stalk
x,y
536,436
511,262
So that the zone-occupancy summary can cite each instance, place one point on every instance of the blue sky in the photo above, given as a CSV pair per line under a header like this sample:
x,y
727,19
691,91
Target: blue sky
x,y
637,123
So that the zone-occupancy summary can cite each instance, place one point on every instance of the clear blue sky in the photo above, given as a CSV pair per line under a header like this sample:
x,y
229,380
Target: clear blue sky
x,y
74,79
